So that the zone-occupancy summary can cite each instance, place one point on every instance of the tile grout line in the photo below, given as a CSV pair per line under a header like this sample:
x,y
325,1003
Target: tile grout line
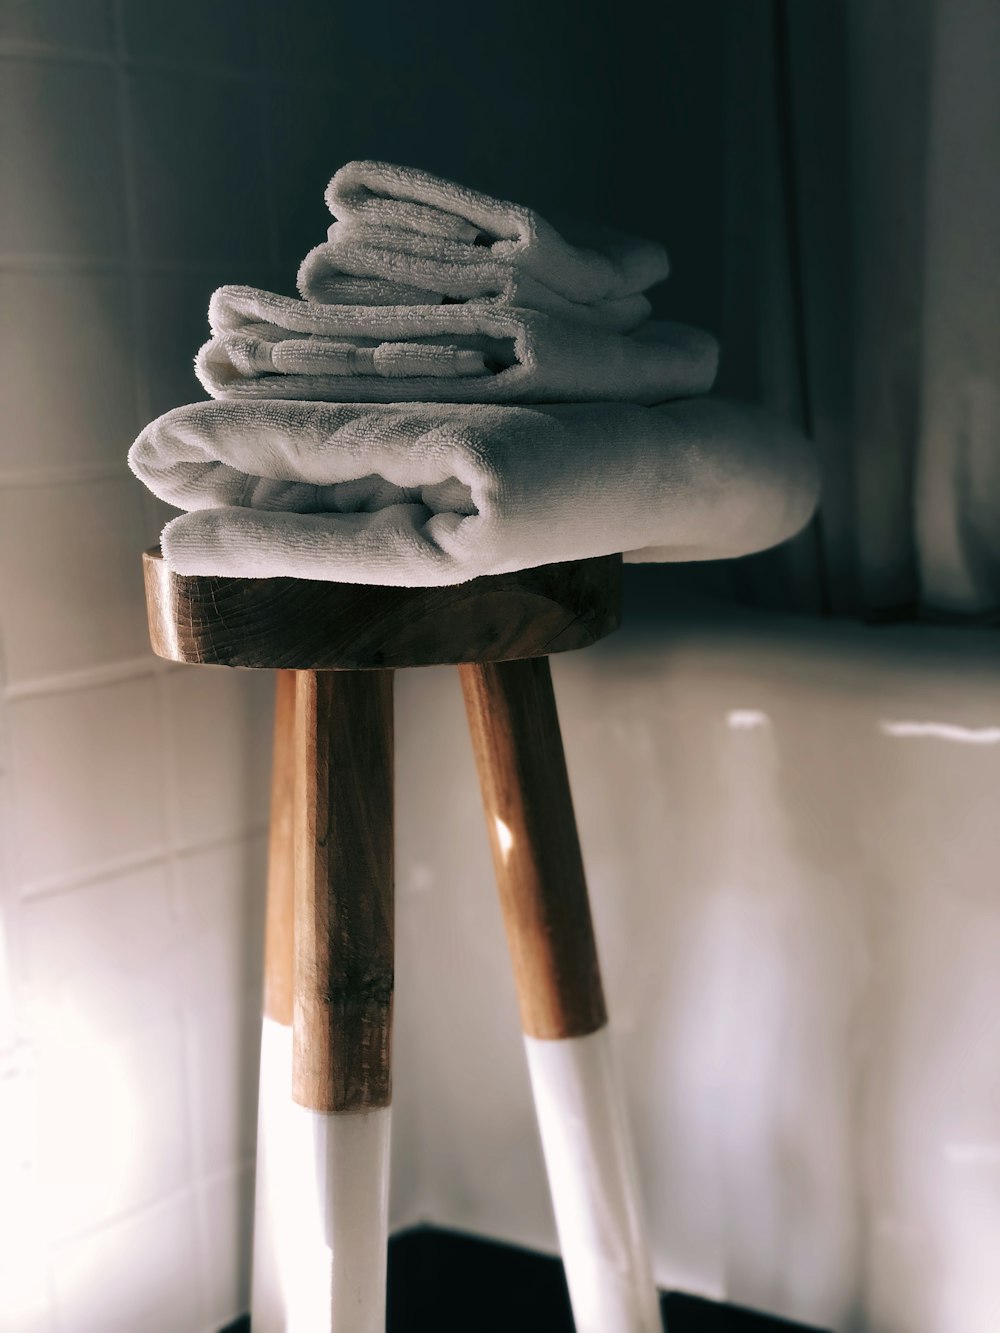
x,y
79,474
117,1219
88,678
119,58
103,871
29,262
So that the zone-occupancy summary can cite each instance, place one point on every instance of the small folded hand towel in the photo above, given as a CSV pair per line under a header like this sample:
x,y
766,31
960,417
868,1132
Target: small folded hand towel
x,y
418,495
406,237
270,346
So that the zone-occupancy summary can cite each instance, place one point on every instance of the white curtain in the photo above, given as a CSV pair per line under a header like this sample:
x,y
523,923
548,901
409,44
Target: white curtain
x,y
862,257
958,451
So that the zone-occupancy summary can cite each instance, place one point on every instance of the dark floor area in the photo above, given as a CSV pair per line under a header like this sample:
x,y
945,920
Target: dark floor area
x,y
451,1283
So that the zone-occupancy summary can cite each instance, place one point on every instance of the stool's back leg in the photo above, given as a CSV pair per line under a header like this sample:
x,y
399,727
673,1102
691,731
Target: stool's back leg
x,y
279,940
342,1002
268,1302
536,853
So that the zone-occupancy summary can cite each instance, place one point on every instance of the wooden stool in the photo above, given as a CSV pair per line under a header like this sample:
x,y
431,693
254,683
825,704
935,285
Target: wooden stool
x,y
322,1184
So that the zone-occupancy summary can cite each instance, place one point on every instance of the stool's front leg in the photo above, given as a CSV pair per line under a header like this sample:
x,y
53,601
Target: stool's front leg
x,y
342,1012
536,852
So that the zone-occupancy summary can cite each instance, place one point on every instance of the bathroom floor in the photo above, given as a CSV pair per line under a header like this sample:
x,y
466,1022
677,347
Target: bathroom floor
x,y
449,1283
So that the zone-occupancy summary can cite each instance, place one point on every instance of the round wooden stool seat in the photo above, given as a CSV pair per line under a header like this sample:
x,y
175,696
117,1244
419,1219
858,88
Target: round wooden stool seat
x,y
304,625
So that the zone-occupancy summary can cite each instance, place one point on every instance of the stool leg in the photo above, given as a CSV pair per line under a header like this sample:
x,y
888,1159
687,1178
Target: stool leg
x,y
342,1000
268,1302
536,854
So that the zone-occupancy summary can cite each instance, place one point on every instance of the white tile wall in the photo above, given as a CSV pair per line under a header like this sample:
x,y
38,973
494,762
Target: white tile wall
x,y
84,772
105,954
174,327
144,1272
60,160
223,1058
218,749
196,137
126,1143
227,1204
63,613
24,1277
214,890
67,370
133,794
296,160
189,32
84,26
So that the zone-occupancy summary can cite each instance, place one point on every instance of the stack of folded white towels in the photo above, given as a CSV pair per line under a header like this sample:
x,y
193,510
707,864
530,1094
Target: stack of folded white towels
x,y
461,390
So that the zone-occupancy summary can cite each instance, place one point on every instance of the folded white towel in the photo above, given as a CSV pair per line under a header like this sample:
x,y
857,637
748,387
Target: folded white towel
x,y
415,494
404,236
270,346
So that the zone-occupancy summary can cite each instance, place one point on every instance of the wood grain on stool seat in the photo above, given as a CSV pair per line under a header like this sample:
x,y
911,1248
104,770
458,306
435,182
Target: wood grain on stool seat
x,y
317,626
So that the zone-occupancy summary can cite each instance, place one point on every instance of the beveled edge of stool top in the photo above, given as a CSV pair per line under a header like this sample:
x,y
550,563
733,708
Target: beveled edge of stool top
x,y
312,625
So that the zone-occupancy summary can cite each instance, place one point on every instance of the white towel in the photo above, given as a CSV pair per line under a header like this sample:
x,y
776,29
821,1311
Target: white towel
x,y
270,346
415,494
404,236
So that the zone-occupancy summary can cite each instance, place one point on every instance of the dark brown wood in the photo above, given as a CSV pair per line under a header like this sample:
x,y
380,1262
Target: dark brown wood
x,y
278,928
307,625
536,851
342,1023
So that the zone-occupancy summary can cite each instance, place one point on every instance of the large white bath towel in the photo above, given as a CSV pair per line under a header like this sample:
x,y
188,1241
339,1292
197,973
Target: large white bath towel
x,y
404,236
270,346
416,494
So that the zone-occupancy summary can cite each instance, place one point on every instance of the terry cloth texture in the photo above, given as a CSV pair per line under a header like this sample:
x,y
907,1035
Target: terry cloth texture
x,y
420,495
406,237
270,346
